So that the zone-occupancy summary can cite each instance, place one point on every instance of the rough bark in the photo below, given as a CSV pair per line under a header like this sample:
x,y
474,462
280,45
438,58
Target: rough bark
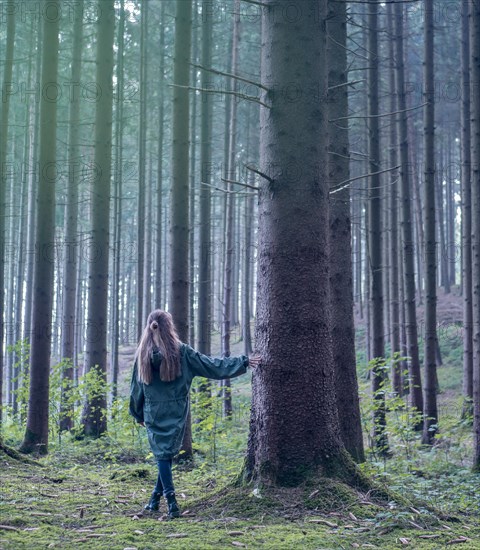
x,y
294,428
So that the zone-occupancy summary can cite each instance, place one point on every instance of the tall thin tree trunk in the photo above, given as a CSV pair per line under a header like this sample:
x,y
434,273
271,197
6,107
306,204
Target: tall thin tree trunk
x,y
32,197
475,174
36,433
230,174
142,159
118,207
430,421
17,374
248,259
415,382
71,237
341,284
375,238
445,279
193,176
396,373
466,220
159,281
180,179
7,79
451,209
205,243
94,417
147,257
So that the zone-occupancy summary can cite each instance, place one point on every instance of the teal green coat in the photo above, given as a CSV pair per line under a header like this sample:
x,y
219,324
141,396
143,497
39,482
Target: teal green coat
x,y
163,406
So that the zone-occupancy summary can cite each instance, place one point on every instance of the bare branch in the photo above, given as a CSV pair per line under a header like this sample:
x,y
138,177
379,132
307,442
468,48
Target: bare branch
x,y
261,174
346,183
227,92
351,83
230,75
347,49
226,190
242,184
256,3
379,116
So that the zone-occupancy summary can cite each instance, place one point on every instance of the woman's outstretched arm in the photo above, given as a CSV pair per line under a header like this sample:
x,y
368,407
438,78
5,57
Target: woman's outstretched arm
x,y
218,368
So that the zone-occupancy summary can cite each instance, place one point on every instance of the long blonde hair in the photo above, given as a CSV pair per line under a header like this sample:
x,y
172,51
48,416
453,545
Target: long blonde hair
x,y
159,333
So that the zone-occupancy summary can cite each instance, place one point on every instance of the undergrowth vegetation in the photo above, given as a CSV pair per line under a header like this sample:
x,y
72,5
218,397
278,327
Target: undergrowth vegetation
x,y
91,492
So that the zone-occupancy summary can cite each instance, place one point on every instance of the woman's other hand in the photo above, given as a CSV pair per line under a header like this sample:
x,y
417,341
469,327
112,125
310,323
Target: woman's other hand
x,y
254,361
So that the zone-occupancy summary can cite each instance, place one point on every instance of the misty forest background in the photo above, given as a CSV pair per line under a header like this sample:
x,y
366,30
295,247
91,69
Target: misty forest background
x,y
299,179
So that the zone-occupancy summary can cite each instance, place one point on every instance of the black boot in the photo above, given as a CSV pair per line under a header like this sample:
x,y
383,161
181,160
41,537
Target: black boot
x,y
154,502
173,510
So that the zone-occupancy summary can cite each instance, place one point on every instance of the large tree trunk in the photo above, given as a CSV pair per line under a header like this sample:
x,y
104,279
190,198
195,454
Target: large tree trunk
x,y
416,396
36,434
430,413
7,79
180,195
341,287
71,217
294,428
94,414
475,155
466,220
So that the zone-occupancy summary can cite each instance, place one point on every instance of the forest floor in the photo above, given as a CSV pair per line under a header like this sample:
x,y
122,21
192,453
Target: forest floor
x,y
91,493
87,501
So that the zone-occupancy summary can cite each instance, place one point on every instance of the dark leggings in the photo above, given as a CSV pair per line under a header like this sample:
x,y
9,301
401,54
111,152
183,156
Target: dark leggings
x,y
164,481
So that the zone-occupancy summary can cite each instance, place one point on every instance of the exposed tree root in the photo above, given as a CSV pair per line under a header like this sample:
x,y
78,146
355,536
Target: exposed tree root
x,y
12,453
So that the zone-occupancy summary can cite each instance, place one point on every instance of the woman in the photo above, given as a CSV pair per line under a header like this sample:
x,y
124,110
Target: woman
x,y
162,375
